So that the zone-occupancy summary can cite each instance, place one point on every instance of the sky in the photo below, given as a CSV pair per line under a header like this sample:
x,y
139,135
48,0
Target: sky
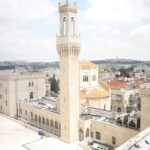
x,y
108,29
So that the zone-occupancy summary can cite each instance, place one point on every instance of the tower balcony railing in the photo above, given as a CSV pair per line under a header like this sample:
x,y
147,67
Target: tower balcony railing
x,y
68,39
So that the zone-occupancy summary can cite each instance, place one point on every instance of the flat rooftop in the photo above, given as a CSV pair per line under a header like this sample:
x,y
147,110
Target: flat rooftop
x,y
45,103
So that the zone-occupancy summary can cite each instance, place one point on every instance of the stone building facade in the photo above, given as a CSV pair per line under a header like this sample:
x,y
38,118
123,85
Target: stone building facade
x,y
17,87
145,106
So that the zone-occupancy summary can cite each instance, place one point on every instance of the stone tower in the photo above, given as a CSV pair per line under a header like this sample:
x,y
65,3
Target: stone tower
x,y
145,106
68,47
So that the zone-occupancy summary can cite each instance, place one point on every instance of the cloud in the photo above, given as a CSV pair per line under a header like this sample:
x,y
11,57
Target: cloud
x,y
117,11
20,36
23,45
108,28
116,28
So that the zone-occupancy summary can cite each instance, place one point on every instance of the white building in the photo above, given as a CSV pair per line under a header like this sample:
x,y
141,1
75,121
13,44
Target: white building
x,y
93,93
124,97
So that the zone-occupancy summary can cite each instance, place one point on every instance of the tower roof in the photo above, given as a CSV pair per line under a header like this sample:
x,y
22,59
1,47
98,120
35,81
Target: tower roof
x,y
68,7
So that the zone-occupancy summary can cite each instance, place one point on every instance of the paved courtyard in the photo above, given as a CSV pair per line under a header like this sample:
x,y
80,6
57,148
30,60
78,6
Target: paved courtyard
x,y
14,136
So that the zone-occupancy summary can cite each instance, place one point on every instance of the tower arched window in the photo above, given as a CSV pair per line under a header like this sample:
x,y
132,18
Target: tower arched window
x,y
64,26
72,26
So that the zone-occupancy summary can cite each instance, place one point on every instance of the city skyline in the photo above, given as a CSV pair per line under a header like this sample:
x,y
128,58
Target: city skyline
x,y
108,29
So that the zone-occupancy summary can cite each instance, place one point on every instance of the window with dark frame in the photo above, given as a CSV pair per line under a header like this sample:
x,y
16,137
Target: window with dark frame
x,y
113,140
98,135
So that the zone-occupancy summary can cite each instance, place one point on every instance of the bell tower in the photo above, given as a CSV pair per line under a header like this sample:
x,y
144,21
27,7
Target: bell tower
x,y
68,47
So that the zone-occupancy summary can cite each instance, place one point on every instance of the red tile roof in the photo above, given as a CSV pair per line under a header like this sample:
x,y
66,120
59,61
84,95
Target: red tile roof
x,y
117,84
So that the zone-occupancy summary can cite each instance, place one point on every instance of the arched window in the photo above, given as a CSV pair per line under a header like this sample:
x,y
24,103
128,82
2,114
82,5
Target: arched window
x,y
32,83
72,29
56,125
52,124
31,95
64,26
31,114
35,117
39,119
59,126
87,132
119,110
81,135
47,122
105,107
119,121
29,84
43,120
132,124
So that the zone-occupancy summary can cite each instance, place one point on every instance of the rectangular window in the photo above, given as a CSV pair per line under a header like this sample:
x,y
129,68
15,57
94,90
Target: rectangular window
x,y
85,78
1,96
114,140
98,135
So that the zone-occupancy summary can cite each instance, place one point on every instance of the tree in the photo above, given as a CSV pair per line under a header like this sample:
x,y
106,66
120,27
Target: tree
x,y
54,84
